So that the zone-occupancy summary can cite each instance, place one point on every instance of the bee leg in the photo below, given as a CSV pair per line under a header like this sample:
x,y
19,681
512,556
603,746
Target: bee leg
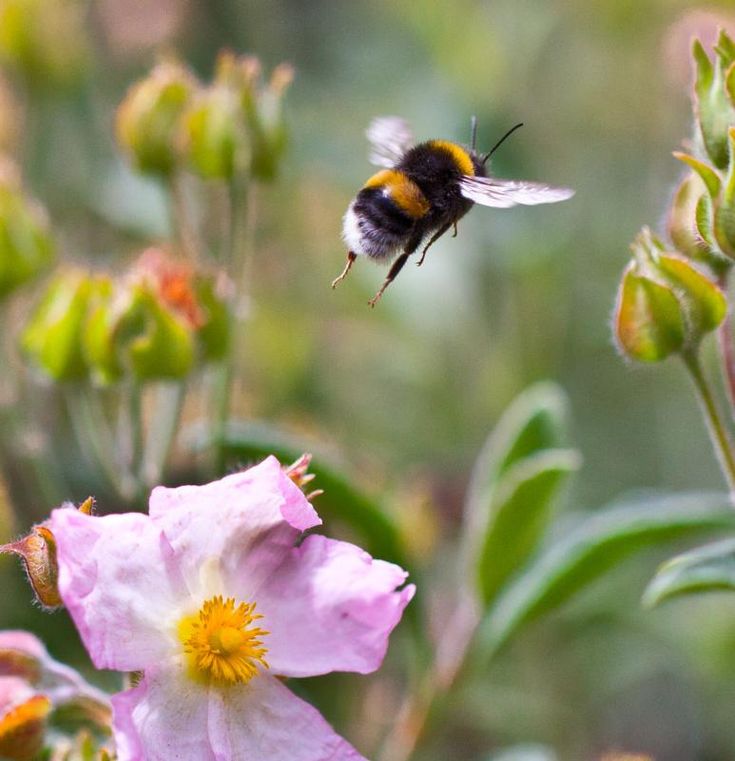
x,y
350,261
392,272
454,234
435,237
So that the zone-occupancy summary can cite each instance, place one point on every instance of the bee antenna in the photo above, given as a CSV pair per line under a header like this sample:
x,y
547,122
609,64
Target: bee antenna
x,y
473,133
501,141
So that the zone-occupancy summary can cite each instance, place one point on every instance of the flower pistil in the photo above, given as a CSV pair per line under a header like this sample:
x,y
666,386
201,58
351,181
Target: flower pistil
x,y
221,642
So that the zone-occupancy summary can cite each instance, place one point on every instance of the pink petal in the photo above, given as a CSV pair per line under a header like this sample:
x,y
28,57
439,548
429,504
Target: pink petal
x,y
248,521
330,607
265,720
119,582
167,716
163,718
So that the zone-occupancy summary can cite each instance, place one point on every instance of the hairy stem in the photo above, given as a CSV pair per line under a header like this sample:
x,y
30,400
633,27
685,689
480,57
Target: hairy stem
x,y
726,346
715,425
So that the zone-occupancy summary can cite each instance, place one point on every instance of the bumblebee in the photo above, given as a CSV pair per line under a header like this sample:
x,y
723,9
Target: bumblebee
x,y
421,192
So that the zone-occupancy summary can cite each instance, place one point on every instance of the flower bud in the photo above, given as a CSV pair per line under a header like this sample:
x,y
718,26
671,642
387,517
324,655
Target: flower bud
x,y
214,333
37,551
724,206
263,113
665,304
148,119
23,714
715,110
648,322
52,337
213,134
45,41
26,248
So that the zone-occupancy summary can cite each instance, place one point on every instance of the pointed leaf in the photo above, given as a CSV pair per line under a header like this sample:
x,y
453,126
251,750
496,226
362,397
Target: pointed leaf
x,y
599,542
520,511
705,569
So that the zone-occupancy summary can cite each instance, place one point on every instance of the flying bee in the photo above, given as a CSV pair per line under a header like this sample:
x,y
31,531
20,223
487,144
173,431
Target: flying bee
x,y
421,191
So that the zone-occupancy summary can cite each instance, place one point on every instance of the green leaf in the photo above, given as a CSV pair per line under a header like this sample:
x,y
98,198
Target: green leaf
x,y
524,753
534,421
520,510
705,569
249,442
599,542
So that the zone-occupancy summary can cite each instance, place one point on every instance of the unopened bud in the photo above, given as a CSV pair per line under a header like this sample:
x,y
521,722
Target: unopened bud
x,y
683,227
44,41
649,323
665,304
714,109
26,248
263,112
148,119
52,337
37,551
213,133
23,714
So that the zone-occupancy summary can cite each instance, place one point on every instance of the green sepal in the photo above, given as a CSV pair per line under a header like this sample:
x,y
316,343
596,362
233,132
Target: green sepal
x,y
705,305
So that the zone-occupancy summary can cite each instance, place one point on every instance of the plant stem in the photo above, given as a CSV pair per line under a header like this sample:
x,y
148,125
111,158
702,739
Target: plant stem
x,y
450,655
183,227
236,262
726,346
162,432
718,432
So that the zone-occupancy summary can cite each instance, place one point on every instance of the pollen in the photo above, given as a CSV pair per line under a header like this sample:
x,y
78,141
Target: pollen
x,y
223,645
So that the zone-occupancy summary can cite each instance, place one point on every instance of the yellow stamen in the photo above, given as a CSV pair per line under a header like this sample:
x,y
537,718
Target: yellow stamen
x,y
221,643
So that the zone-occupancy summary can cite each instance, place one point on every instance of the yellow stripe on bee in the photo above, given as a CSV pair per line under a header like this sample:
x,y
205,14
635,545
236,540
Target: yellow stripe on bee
x,y
405,192
459,155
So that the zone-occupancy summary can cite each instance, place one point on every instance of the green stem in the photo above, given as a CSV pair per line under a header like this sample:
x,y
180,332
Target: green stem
x,y
436,681
715,425
94,436
236,262
183,227
162,432
726,344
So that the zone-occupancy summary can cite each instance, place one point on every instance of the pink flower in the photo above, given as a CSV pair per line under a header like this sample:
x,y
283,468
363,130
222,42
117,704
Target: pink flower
x,y
212,597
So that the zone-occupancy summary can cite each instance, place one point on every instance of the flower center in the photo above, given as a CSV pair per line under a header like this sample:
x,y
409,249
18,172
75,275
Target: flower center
x,y
221,642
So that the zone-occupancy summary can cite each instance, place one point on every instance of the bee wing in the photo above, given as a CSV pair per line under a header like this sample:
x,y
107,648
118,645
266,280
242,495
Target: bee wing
x,y
502,194
390,137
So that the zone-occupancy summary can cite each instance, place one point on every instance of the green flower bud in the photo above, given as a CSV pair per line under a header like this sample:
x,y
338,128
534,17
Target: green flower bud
x,y
714,110
44,40
213,135
263,113
52,337
648,322
26,247
156,343
665,304
148,119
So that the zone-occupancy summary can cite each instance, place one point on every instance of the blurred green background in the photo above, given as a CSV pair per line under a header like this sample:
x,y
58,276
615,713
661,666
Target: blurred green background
x,y
405,394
